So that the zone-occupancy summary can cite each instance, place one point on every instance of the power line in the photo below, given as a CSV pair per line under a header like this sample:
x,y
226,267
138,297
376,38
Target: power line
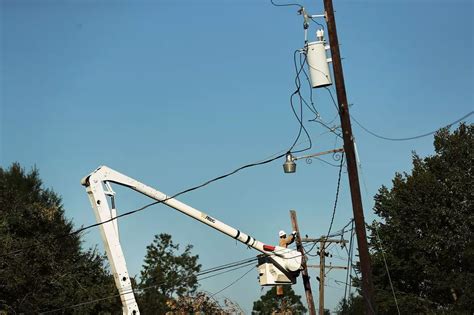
x,y
141,290
398,139
301,101
377,236
318,119
158,202
386,268
285,4
337,196
341,232
230,266
232,283
410,138
349,263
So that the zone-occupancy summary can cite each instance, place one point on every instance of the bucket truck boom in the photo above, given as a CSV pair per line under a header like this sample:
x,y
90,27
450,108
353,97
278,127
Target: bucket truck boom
x,y
277,265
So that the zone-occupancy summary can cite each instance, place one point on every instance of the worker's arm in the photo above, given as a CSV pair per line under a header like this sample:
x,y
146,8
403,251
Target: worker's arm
x,y
290,239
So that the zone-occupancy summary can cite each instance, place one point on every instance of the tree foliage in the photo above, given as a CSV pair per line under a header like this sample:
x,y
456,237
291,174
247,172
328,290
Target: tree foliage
x,y
269,303
40,269
354,305
167,275
427,231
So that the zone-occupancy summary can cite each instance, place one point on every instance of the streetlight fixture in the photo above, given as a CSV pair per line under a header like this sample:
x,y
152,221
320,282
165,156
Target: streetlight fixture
x,y
290,166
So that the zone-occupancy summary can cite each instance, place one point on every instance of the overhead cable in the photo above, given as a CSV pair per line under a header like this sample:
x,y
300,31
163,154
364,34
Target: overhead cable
x,y
286,4
232,283
137,290
230,266
410,138
337,196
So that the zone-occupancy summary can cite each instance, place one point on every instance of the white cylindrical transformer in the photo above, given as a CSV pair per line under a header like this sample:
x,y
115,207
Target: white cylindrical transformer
x,y
318,64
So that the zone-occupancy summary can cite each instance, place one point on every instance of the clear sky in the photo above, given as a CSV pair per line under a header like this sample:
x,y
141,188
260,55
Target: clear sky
x,y
177,92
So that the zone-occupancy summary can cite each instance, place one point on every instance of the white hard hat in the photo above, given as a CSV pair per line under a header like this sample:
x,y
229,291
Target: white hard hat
x,y
281,233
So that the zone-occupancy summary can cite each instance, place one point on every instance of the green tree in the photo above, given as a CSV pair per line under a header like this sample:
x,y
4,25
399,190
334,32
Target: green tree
x,y
354,305
427,231
167,275
40,268
270,302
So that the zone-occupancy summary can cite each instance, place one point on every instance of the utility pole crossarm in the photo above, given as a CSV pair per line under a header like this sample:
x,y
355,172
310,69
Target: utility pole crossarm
x,y
317,240
327,266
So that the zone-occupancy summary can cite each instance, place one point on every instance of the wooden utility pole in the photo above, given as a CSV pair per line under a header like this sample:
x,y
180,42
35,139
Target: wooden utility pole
x,y
364,258
304,272
322,264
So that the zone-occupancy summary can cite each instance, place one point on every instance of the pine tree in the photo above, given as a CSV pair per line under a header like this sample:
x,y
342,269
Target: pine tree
x,y
40,268
289,303
167,275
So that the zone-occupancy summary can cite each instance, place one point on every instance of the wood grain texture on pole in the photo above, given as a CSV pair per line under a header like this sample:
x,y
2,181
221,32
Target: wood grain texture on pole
x,y
322,275
367,285
304,272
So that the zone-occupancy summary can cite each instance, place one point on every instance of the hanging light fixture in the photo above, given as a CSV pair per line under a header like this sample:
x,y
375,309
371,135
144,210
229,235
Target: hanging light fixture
x,y
289,166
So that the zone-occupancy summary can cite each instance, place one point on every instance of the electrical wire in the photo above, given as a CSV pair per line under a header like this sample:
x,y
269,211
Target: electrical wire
x,y
141,290
349,263
359,164
226,271
410,138
333,211
337,196
317,23
80,230
286,4
227,266
341,232
311,108
300,117
318,118
232,283
386,268
333,99
230,266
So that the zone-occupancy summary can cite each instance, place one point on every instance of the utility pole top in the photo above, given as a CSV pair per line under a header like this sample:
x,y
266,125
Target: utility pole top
x,y
304,272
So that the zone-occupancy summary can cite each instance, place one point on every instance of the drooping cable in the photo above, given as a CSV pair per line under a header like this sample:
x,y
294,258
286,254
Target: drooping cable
x,y
386,268
158,202
410,138
230,266
285,4
138,290
232,283
310,106
359,164
337,196
299,117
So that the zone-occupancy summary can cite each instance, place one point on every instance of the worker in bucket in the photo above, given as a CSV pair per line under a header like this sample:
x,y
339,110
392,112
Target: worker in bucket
x,y
284,242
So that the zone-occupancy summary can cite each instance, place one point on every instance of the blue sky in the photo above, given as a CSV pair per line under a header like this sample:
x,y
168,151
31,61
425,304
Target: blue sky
x,y
174,93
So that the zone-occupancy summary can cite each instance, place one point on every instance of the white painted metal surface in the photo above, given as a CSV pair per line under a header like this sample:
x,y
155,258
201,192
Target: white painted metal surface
x,y
109,232
318,62
288,259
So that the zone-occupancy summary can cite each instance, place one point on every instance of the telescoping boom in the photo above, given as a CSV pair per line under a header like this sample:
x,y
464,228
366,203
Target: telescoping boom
x,y
277,265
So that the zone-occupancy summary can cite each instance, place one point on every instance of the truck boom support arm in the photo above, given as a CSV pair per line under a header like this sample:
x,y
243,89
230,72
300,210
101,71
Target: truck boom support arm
x,y
98,188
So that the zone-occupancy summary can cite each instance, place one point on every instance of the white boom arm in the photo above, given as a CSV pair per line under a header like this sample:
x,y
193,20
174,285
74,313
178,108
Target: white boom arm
x,y
98,188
